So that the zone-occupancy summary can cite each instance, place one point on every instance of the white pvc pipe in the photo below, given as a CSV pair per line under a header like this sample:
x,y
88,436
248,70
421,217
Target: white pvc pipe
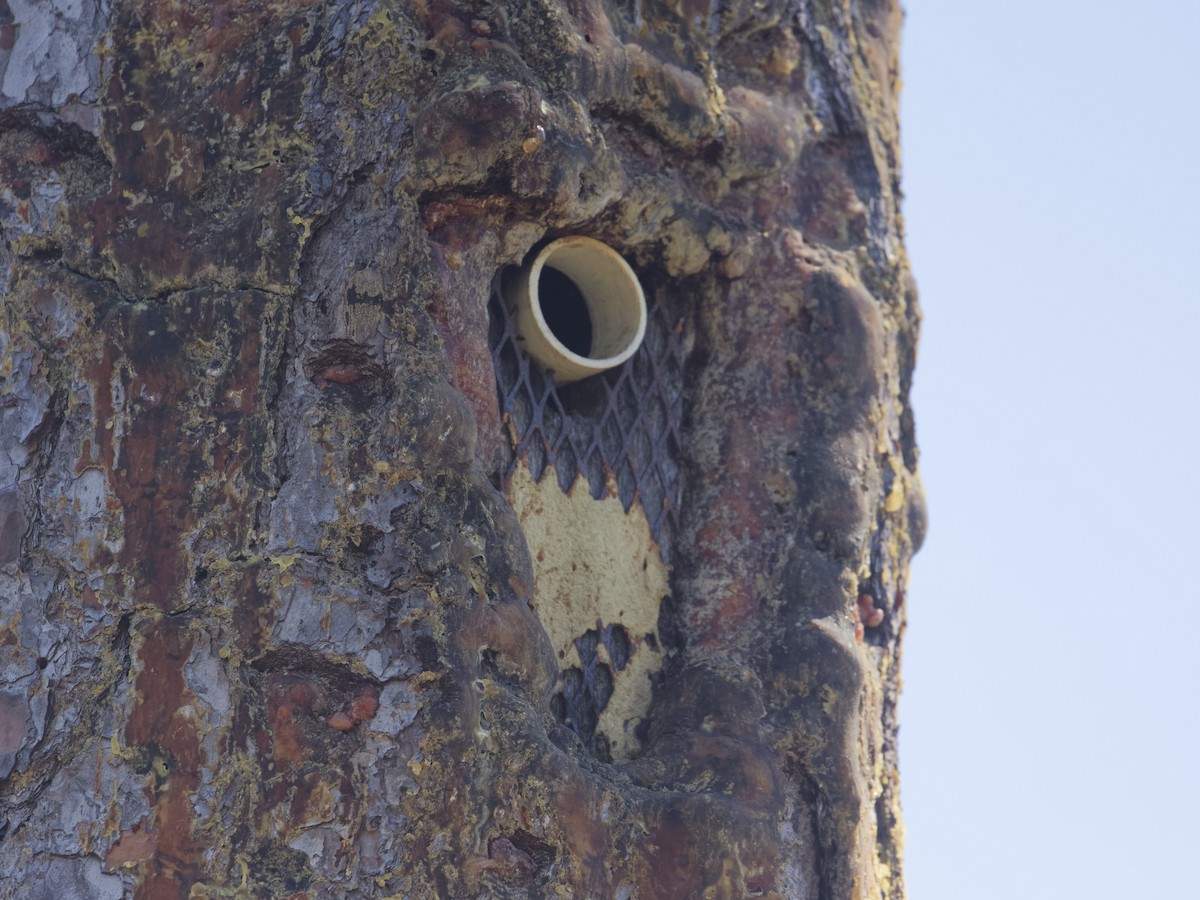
x,y
611,294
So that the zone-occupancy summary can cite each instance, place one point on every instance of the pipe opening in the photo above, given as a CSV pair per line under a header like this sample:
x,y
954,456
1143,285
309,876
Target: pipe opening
x,y
565,310
580,309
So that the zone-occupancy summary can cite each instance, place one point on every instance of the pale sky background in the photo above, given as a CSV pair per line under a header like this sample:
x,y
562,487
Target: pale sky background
x,y
1049,719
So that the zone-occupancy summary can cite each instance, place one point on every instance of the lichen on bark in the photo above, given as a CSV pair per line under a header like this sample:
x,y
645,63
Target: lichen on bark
x,y
269,626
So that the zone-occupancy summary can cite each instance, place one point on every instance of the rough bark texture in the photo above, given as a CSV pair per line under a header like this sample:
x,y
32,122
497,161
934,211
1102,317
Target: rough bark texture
x,y
269,622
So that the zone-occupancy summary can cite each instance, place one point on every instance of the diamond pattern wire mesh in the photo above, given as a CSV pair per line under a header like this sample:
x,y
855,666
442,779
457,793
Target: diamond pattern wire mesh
x,y
620,428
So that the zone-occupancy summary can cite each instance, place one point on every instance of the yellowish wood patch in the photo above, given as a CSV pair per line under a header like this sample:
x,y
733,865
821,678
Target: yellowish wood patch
x,y
596,566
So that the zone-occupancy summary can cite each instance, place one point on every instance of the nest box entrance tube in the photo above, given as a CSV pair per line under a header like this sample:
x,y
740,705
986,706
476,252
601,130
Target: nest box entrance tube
x,y
580,309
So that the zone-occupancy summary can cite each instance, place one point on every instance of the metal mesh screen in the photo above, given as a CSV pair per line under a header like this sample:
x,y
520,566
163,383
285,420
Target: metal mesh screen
x,y
620,428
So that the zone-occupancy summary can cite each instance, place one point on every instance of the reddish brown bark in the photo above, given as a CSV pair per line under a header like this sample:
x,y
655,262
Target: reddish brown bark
x,y
271,627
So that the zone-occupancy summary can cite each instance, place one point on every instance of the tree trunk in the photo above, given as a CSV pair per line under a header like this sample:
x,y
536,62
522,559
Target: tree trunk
x,y
315,585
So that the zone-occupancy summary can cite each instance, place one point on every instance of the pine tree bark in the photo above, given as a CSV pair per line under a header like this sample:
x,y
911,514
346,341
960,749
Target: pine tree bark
x,y
274,617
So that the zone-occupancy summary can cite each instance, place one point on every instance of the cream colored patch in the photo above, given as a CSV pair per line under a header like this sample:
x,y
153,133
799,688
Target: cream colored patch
x,y
595,565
